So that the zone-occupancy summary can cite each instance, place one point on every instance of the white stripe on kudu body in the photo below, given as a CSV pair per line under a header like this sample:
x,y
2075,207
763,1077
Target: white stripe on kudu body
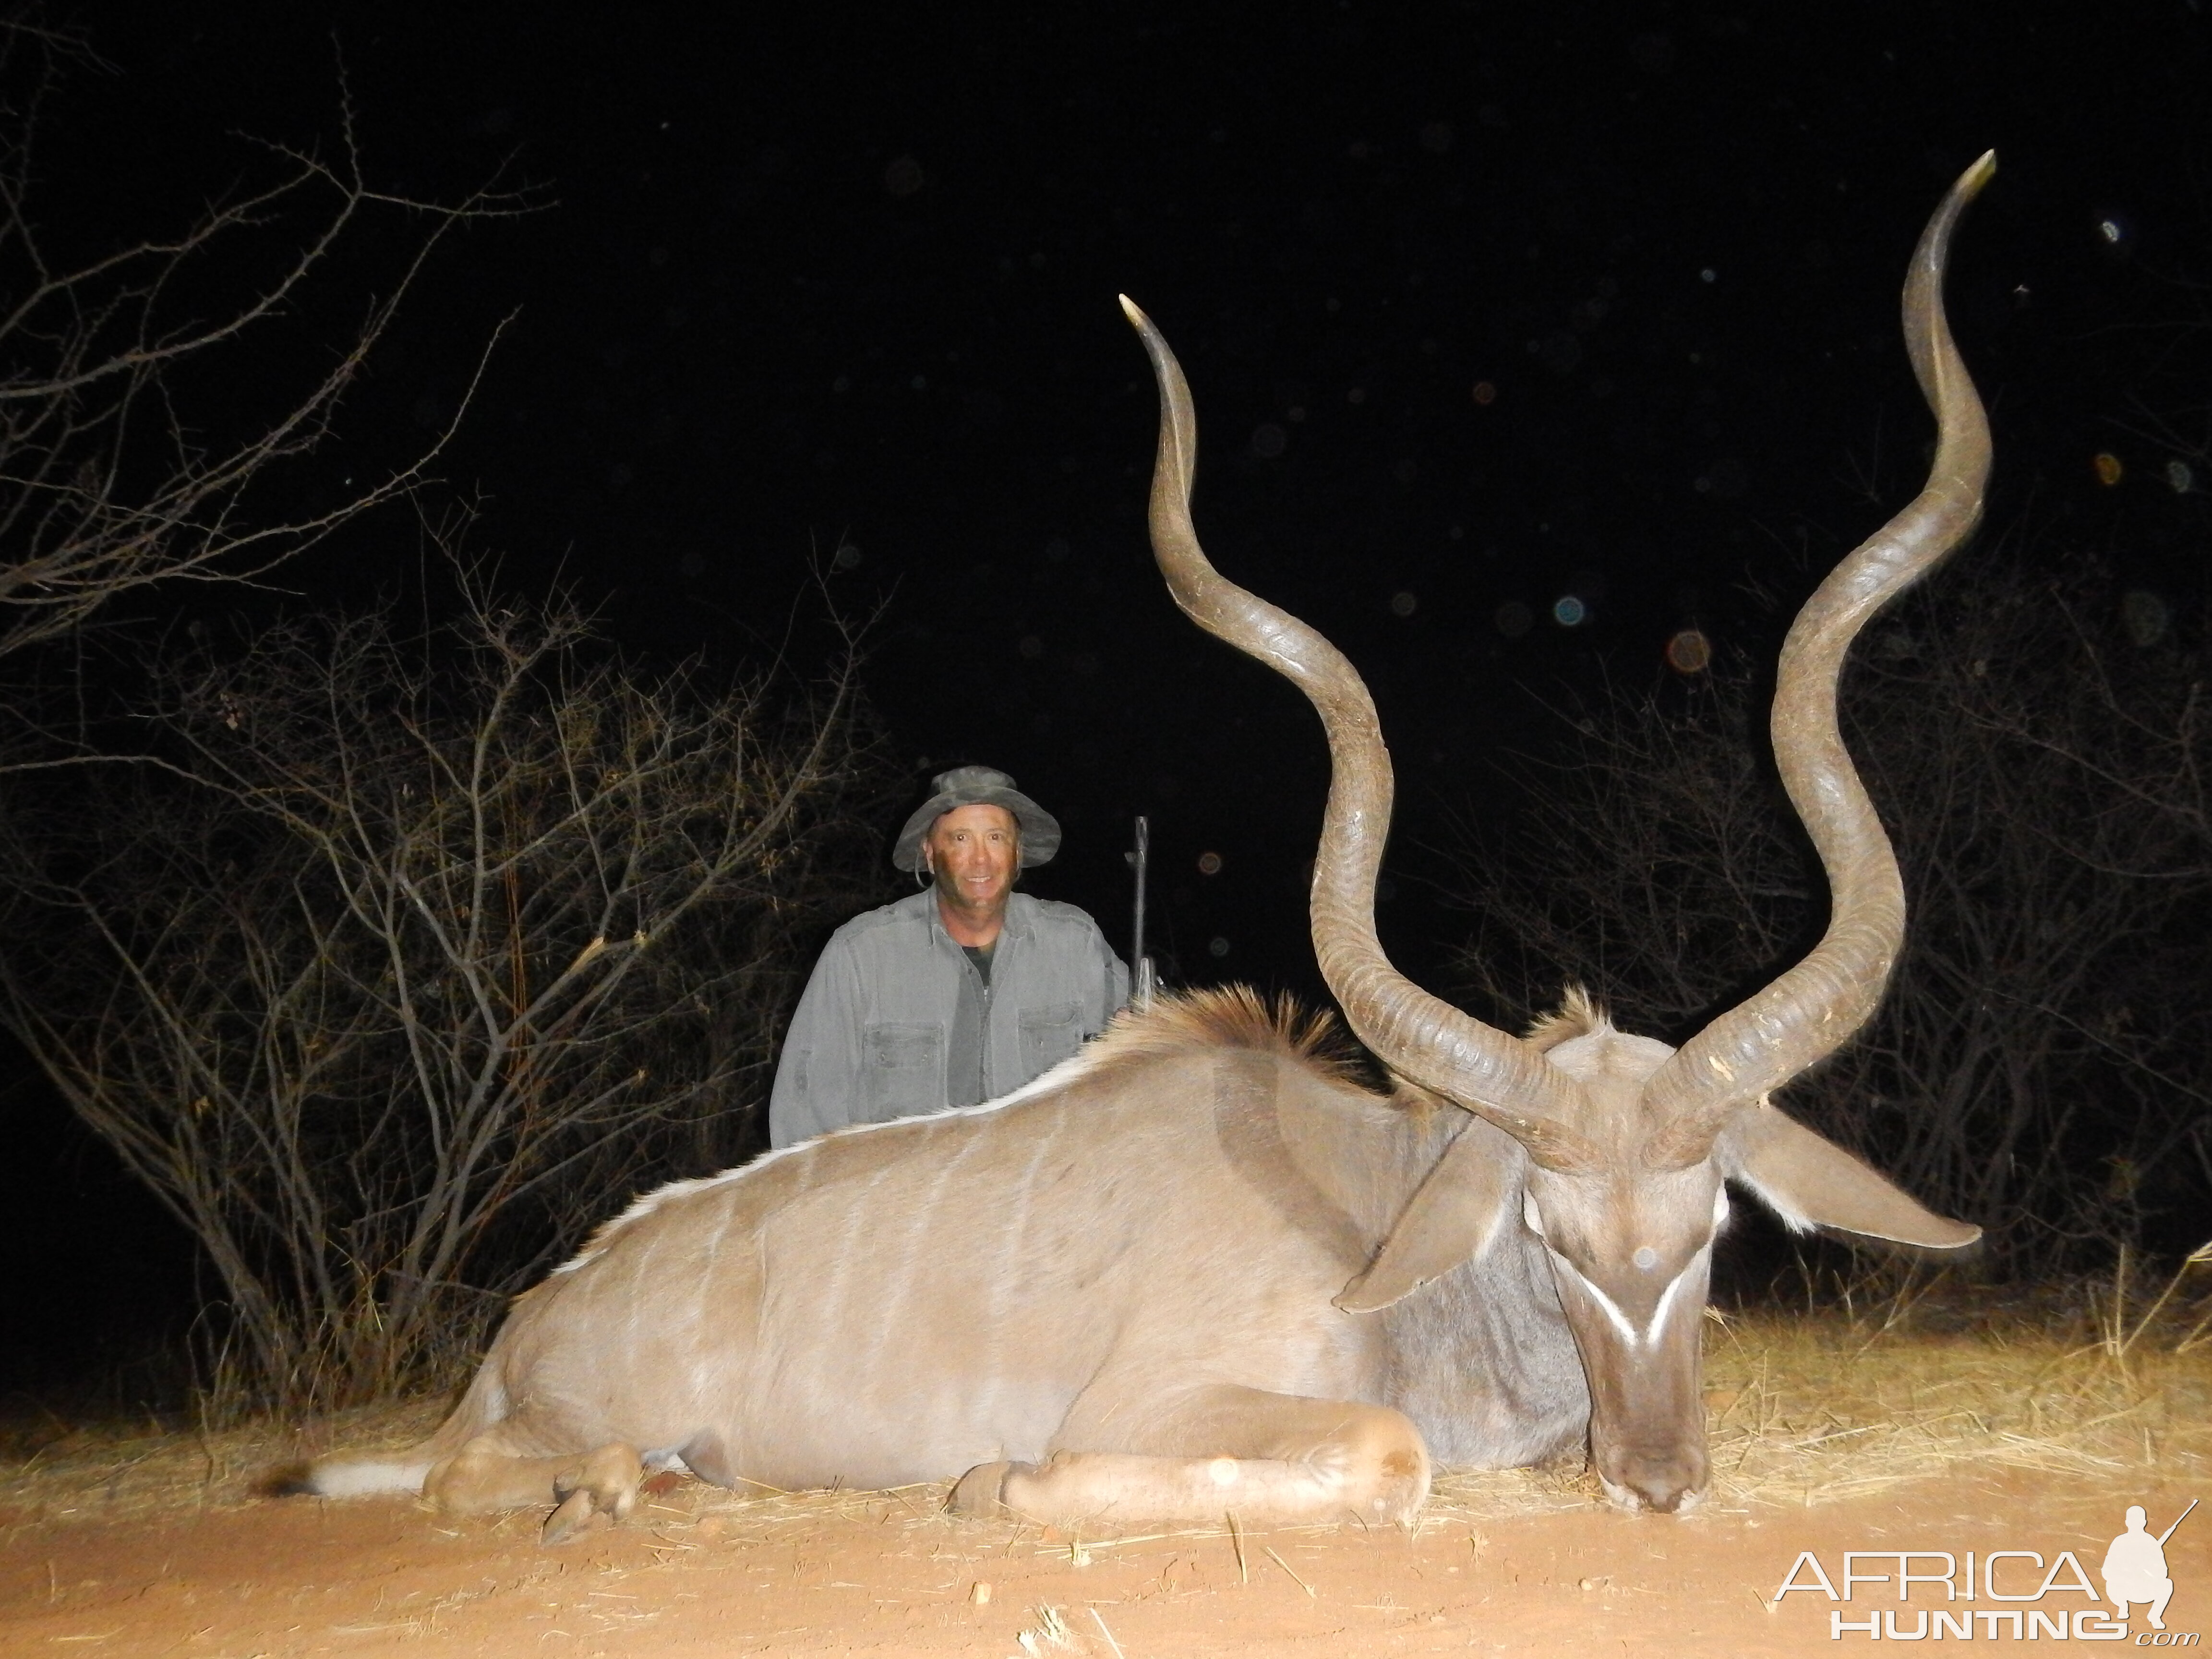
x,y
1198,1269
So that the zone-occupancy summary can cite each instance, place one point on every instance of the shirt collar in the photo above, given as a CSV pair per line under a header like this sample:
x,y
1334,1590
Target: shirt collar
x,y
1021,913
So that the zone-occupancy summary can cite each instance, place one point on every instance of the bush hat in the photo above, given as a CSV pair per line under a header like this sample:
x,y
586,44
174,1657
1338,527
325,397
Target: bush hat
x,y
979,786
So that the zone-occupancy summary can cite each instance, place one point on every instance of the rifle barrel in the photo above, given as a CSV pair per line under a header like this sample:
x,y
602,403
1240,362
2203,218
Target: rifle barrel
x,y
2178,1520
1140,860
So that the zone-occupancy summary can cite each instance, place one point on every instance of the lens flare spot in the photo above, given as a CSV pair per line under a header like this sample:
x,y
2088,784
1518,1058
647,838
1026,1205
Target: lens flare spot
x,y
1209,863
1689,651
2109,470
1484,394
1569,611
904,177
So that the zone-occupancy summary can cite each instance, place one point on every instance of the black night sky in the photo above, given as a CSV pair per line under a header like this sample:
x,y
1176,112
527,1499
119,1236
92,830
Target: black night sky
x,y
1484,306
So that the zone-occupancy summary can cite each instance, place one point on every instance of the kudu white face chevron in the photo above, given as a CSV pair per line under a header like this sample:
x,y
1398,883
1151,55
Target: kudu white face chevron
x,y
1649,1336
1203,1268
1644,1259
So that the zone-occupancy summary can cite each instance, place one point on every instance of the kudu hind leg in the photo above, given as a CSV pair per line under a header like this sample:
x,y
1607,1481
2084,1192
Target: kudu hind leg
x,y
587,1489
1272,1459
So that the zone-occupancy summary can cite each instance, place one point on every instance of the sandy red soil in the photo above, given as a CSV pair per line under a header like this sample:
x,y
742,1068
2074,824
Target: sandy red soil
x,y
888,1576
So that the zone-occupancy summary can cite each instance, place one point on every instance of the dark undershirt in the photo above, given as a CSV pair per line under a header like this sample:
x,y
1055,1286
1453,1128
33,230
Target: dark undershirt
x,y
963,1060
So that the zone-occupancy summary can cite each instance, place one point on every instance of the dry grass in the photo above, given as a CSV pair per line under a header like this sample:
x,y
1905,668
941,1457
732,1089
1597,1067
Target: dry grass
x,y
108,1471
1803,1411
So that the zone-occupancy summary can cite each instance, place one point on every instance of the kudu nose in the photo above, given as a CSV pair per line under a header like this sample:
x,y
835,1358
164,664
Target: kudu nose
x,y
1665,1497
1662,1482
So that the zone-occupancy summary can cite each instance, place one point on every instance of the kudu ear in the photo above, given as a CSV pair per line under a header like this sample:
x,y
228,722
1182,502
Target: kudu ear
x,y
1454,1218
1812,1182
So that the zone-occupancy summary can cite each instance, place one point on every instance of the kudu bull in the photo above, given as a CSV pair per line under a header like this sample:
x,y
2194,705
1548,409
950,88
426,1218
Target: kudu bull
x,y
1198,1269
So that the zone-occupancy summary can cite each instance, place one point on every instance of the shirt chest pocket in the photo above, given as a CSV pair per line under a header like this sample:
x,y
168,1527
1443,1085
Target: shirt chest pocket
x,y
1049,1034
902,1069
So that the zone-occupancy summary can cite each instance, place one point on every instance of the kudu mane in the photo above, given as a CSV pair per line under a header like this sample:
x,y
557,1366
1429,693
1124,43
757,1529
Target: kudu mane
x,y
1230,1016
1577,1015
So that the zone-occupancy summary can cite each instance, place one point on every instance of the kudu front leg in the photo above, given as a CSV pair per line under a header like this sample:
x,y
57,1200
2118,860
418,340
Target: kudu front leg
x,y
1272,1459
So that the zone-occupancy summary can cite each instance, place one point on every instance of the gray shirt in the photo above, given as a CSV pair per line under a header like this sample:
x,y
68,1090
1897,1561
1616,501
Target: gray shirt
x,y
897,1022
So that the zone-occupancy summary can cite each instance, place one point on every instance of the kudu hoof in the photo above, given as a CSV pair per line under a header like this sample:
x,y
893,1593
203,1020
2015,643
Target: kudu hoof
x,y
575,1515
980,1492
594,1494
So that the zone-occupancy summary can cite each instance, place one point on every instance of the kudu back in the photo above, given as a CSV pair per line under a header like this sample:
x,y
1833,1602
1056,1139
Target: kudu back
x,y
1200,1267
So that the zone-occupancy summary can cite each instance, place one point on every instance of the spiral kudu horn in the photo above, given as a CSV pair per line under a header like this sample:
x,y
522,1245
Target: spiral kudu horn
x,y
1417,1034
1811,1009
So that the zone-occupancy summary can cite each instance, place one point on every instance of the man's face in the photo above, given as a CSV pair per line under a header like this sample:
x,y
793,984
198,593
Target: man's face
x,y
973,852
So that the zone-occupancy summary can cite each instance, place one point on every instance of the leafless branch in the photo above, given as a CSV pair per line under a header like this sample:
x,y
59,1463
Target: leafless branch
x,y
452,938
123,463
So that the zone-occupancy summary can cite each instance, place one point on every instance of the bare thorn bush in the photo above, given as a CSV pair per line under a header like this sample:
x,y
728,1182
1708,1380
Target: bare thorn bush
x,y
412,957
148,430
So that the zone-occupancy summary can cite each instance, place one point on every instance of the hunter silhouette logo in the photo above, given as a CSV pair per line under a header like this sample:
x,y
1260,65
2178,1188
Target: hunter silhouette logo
x,y
2135,1567
2133,1570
